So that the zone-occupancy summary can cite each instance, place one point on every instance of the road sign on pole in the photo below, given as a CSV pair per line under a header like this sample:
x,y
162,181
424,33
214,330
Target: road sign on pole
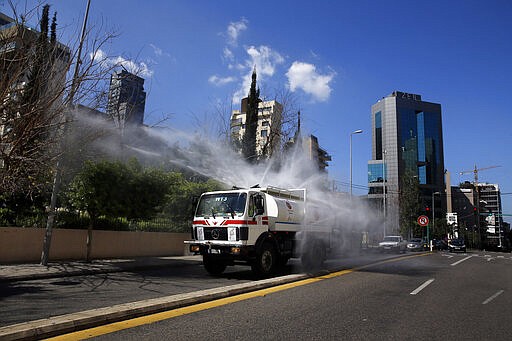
x,y
423,220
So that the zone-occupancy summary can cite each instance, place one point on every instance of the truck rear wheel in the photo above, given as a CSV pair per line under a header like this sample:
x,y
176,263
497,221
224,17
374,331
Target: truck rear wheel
x,y
266,261
213,266
314,257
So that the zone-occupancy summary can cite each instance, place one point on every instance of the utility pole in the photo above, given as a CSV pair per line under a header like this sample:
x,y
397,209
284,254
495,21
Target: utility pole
x,y
433,217
384,188
58,171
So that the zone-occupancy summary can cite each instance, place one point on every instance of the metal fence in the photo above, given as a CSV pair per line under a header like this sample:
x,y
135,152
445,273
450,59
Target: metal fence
x,y
70,220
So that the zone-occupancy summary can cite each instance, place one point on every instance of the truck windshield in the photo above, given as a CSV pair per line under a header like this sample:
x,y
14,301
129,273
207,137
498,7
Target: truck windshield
x,y
222,204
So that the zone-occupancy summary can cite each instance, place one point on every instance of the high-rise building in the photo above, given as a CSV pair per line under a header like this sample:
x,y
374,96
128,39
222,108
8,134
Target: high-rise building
x,y
126,99
268,131
309,146
407,140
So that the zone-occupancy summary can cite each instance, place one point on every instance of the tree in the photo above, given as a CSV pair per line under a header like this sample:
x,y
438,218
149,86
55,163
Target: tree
x,y
96,191
410,204
37,104
29,103
182,198
284,126
115,189
251,122
35,98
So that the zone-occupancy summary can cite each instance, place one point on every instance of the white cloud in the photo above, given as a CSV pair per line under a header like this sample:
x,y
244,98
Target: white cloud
x,y
238,66
218,81
140,69
158,51
234,30
265,59
228,54
243,91
305,77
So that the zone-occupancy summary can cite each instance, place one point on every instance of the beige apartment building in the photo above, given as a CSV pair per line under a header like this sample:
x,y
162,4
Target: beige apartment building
x,y
268,131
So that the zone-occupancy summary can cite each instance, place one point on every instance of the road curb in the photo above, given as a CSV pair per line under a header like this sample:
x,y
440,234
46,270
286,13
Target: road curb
x,y
57,325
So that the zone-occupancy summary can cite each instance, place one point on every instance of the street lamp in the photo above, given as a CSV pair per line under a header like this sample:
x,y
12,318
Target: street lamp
x,y
359,131
433,217
384,179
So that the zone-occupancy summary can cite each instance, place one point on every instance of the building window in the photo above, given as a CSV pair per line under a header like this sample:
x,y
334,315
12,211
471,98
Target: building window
x,y
377,173
265,123
378,135
264,133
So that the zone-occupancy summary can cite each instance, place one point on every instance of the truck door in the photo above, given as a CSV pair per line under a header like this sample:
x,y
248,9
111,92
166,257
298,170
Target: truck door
x,y
256,208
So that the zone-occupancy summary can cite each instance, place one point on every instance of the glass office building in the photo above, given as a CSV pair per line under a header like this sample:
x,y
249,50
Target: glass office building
x,y
407,139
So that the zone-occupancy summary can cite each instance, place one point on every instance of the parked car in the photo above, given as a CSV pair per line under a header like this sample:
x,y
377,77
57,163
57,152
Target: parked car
x,y
393,243
456,245
415,244
439,244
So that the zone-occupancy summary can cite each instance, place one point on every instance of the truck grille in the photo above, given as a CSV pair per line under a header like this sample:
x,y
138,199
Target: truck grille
x,y
213,233
221,233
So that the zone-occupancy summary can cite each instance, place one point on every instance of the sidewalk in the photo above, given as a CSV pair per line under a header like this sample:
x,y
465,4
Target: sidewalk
x,y
55,269
62,324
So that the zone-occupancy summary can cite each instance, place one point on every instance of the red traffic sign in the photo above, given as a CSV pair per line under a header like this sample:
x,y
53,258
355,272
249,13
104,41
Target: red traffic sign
x,y
423,220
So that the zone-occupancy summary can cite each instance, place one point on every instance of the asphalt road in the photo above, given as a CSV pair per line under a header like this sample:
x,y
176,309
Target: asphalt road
x,y
434,297
437,296
30,300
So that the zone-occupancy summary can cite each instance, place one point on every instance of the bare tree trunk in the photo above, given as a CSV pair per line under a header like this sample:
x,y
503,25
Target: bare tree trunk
x,y
51,218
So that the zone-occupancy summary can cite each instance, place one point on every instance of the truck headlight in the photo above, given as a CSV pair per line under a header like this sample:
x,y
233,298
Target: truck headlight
x,y
232,234
200,233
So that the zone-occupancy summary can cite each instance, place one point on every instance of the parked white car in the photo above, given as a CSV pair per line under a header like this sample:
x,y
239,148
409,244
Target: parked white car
x,y
393,243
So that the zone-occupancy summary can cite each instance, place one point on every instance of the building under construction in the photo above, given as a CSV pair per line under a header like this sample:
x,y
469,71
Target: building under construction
x,y
479,215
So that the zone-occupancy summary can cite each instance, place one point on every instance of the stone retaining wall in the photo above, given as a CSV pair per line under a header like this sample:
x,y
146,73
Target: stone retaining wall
x,y
25,245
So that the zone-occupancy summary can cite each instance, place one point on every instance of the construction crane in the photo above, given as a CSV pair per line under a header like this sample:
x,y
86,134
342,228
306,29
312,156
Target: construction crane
x,y
476,170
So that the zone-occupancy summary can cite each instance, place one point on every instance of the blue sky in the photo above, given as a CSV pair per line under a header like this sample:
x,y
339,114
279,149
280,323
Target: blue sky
x,y
337,57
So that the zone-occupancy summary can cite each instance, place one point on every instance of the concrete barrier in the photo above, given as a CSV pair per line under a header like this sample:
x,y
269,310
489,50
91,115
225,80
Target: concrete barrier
x,y
25,245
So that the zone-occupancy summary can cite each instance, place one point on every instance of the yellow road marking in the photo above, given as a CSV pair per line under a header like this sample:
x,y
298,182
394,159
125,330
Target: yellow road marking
x,y
139,321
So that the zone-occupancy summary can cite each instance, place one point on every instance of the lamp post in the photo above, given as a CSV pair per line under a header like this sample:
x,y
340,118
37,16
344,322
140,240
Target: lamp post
x,y
433,218
384,188
359,131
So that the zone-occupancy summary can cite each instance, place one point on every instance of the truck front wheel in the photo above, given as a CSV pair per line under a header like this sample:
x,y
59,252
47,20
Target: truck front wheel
x,y
266,260
213,266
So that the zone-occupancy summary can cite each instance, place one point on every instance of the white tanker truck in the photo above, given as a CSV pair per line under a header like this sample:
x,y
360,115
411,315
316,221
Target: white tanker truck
x,y
261,227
